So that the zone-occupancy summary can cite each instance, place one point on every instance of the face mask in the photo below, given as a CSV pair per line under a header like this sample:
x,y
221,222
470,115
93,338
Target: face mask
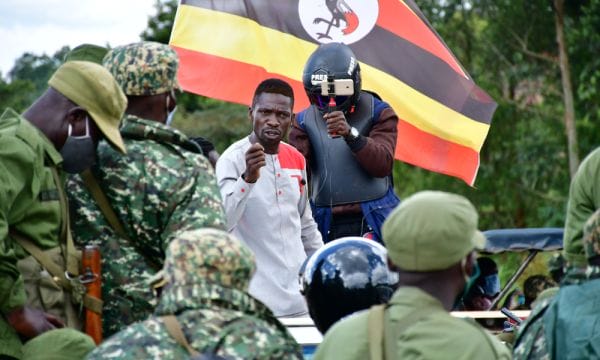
x,y
170,114
491,285
469,281
78,152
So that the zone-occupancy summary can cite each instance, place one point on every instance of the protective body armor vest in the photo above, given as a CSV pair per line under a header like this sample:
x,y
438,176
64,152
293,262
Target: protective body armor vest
x,y
336,177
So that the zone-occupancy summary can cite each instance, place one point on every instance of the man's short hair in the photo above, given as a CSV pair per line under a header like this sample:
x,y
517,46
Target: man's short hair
x,y
487,266
273,86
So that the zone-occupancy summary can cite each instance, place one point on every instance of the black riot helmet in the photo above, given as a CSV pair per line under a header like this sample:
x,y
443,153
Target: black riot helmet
x,y
344,276
337,61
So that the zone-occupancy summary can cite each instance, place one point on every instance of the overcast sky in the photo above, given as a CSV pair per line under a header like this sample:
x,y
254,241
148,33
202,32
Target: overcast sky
x,y
44,26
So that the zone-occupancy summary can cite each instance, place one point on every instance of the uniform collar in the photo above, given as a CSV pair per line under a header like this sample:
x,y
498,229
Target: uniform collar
x,y
137,128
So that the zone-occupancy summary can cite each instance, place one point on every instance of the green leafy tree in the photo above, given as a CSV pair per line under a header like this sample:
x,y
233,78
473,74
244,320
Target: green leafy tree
x,y
30,74
159,30
15,94
160,25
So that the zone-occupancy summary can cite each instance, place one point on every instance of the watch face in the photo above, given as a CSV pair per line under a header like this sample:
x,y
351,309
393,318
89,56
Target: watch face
x,y
354,132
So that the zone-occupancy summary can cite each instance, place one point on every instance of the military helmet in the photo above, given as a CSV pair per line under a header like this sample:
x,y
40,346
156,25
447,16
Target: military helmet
x,y
333,59
344,276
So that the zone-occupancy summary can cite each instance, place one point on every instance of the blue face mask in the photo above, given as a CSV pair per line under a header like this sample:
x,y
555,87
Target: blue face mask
x,y
78,152
491,285
469,282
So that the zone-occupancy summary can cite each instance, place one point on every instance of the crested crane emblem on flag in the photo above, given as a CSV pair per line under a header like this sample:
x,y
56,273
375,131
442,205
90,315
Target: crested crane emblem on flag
x,y
345,21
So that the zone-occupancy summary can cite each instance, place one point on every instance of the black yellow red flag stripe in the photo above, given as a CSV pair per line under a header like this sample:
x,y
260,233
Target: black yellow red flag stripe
x,y
227,47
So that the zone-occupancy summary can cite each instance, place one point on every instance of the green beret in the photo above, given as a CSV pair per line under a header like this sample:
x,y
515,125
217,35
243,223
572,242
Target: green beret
x,y
87,52
58,344
431,230
93,88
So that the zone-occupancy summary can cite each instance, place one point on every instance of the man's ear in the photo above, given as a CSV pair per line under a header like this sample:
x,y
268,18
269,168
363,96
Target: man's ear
x,y
471,260
76,117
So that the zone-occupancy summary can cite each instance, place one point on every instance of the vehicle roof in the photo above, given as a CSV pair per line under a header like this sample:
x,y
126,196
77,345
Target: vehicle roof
x,y
515,240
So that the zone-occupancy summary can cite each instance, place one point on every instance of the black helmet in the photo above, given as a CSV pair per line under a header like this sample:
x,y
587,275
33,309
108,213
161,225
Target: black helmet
x,y
334,59
344,276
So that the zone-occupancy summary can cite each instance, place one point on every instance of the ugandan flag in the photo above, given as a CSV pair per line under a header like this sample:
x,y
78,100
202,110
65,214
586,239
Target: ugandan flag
x,y
227,47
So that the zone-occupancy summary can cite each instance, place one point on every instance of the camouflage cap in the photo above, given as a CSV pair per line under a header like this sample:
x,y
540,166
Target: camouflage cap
x,y
208,255
431,230
143,68
591,235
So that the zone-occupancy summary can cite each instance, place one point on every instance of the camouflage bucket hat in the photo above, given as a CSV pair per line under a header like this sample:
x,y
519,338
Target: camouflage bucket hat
x,y
591,235
143,68
208,255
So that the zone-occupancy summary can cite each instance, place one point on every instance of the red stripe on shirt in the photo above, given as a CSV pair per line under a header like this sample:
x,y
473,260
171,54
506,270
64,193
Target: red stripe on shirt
x,y
290,158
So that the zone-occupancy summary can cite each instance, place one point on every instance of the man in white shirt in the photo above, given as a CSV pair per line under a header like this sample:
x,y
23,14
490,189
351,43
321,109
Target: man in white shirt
x,y
262,181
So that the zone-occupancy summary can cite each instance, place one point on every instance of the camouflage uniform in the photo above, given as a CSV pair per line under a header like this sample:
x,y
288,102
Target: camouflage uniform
x,y
207,273
162,187
571,312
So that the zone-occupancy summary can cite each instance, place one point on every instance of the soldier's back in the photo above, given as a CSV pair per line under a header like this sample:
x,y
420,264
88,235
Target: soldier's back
x,y
222,332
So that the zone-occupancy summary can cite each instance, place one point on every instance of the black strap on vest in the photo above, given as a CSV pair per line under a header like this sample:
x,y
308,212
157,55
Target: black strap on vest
x,y
67,275
111,217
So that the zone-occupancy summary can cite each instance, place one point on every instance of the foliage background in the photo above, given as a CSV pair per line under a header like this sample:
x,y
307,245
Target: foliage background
x,y
508,46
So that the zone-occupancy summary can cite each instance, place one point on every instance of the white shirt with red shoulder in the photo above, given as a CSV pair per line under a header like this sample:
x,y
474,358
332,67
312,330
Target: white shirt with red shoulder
x,y
273,217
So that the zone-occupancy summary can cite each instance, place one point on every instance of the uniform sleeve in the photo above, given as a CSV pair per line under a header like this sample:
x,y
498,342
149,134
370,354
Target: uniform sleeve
x,y
203,205
235,191
311,237
375,153
584,199
17,184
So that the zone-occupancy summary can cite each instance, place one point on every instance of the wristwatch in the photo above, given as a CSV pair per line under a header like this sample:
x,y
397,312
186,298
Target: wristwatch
x,y
352,135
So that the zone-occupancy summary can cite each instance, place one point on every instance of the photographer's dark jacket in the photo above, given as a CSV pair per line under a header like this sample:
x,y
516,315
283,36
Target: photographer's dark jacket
x,y
368,161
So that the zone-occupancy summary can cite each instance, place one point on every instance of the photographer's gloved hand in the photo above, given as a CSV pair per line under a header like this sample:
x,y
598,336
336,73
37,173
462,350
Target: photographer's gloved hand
x,y
29,322
337,124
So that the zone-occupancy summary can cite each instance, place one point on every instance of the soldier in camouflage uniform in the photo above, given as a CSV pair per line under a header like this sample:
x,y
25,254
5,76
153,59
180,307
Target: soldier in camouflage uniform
x,y
162,187
565,326
206,273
